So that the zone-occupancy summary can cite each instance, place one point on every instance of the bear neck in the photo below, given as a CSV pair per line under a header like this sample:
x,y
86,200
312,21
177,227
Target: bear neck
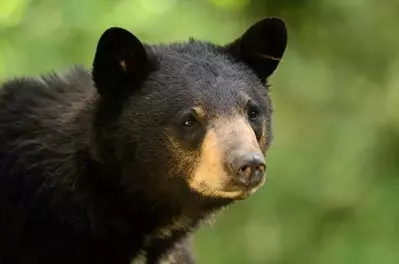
x,y
121,212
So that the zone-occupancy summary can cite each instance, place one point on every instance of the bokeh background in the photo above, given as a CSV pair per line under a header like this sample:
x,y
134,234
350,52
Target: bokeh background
x,y
333,169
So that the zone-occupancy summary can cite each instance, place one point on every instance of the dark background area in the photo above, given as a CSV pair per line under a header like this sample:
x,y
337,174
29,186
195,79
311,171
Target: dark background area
x,y
333,169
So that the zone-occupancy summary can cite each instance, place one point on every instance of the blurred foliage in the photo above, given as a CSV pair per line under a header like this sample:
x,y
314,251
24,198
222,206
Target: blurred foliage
x,y
333,169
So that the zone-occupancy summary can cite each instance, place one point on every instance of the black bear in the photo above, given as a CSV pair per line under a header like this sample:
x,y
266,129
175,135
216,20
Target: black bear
x,y
124,161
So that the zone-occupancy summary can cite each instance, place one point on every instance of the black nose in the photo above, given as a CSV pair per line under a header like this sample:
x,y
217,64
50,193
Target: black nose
x,y
250,168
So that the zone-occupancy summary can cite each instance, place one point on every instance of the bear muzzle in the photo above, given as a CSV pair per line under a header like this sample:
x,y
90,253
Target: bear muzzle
x,y
232,164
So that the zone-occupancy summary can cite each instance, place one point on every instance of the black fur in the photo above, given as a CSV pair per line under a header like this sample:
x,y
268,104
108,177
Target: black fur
x,y
86,172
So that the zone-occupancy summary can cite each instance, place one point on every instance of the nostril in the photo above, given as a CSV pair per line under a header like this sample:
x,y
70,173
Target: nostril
x,y
261,168
245,171
248,170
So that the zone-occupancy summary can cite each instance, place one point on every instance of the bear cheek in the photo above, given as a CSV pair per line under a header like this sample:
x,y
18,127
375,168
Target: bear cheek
x,y
263,141
209,177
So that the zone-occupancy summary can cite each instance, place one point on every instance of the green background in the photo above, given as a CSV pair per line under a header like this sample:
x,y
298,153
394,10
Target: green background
x,y
333,169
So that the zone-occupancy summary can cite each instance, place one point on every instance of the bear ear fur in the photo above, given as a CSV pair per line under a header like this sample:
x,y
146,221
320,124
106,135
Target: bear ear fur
x,y
119,60
262,46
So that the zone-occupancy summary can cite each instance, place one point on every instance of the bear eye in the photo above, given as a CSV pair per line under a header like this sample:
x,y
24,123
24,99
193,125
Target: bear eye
x,y
189,121
253,113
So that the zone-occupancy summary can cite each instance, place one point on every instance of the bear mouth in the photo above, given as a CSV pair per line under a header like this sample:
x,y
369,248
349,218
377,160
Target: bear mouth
x,y
225,186
239,191
235,194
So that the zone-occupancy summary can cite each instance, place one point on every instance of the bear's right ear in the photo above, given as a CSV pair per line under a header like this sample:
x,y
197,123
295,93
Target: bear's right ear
x,y
119,61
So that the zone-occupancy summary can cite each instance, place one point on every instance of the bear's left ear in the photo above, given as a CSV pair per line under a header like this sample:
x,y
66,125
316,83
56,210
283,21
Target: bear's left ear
x,y
119,61
262,46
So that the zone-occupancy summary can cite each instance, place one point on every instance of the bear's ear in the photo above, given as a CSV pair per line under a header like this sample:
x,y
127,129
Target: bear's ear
x,y
262,46
119,60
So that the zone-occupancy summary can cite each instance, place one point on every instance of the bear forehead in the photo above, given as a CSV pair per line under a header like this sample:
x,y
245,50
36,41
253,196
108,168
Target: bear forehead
x,y
202,61
201,73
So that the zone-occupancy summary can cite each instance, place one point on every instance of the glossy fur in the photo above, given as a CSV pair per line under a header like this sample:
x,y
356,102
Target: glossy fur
x,y
90,171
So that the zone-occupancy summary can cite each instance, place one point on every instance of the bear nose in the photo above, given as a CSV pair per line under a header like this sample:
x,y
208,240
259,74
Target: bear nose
x,y
250,168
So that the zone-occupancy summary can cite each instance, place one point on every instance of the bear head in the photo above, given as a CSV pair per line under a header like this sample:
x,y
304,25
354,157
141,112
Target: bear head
x,y
187,120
